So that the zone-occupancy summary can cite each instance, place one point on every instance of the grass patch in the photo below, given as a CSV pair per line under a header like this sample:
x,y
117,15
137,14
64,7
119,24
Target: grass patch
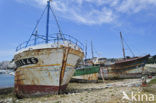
x,y
153,81
151,87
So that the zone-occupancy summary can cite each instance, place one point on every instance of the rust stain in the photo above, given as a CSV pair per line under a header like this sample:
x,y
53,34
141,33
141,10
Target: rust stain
x,y
49,75
45,66
33,82
34,52
73,51
41,66
93,76
18,77
48,51
126,66
76,52
64,61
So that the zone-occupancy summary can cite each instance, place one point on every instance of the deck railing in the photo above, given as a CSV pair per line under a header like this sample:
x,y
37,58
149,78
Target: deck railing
x,y
54,38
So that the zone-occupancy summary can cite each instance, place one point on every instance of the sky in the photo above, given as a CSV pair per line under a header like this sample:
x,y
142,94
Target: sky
x,y
99,21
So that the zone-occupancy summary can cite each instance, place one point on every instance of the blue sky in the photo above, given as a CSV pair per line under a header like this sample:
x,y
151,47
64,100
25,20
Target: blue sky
x,y
96,20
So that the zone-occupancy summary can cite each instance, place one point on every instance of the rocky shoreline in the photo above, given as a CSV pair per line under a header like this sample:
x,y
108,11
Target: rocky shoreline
x,y
107,92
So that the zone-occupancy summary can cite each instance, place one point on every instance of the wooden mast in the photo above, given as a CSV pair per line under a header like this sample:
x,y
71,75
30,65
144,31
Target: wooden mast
x,y
123,49
86,51
92,50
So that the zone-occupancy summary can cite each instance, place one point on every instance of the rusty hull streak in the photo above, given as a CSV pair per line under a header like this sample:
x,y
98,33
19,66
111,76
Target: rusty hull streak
x,y
64,60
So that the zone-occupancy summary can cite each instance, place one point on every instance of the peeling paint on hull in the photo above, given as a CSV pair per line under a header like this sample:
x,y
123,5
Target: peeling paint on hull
x,y
50,75
132,68
86,74
37,90
110,74
86,78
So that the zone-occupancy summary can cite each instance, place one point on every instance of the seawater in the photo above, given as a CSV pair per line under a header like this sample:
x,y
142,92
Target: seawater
x,y
6,80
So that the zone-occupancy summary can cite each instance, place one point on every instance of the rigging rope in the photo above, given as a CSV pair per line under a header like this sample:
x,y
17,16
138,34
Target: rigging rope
x,y
60,32
38,21
129,48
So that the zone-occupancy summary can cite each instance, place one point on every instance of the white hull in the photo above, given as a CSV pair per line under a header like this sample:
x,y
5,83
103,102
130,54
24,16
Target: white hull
x,y
52,72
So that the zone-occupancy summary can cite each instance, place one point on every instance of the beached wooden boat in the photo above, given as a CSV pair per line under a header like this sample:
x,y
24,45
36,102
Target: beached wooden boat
x,y
129,68
124,68
45,64
86,74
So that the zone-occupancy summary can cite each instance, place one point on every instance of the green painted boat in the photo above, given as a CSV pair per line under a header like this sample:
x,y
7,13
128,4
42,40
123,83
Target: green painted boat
x,y
86,74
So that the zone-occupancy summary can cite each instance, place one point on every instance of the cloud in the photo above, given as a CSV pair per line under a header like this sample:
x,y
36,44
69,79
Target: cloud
x,y
135,6
92,12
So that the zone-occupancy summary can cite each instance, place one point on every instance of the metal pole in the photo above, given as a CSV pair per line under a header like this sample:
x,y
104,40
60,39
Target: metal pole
x,y
123,49
47,26
92,50
35,41
86,51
